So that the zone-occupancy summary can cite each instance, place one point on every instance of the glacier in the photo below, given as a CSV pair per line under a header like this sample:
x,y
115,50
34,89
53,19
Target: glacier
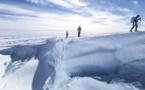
x,y
113,62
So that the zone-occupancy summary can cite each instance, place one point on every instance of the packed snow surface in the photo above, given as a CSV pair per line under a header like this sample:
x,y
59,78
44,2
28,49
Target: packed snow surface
x,y
111,62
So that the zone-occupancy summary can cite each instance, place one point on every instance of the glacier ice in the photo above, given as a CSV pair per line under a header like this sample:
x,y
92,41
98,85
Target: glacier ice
x,y
97,63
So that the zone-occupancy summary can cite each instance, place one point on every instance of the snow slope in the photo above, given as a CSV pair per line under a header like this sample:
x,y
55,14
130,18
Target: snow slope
x,y
113,62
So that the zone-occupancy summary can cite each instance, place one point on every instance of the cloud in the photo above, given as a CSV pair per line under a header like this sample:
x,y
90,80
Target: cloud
x,y
15,9
38,1
97,20
135,2
124,9
77,3
63,3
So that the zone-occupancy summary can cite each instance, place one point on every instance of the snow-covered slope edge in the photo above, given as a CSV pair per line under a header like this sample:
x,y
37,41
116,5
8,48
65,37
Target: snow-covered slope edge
x,y
21,79
118,57
44,53
114,62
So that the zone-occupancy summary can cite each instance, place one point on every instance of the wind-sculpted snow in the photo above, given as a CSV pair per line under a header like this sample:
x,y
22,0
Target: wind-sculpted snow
x,y
44,53
108,57
113,62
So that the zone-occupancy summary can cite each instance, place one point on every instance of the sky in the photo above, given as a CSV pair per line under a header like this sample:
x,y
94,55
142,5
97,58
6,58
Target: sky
x,y
94,16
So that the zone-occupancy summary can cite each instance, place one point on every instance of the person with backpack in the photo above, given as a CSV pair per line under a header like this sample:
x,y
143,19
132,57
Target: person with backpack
x,y
134,21
79,31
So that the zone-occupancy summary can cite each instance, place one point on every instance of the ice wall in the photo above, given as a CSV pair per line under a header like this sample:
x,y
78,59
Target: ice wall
x,y
109,57
62,62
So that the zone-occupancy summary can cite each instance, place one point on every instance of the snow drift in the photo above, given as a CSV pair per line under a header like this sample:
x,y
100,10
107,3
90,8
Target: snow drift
x,y
114,62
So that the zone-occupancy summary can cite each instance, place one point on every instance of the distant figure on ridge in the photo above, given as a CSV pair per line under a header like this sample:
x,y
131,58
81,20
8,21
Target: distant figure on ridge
x,y
134,21
79,31
67,34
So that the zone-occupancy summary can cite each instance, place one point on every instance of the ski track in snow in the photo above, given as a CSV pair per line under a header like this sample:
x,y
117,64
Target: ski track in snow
x,y
114,62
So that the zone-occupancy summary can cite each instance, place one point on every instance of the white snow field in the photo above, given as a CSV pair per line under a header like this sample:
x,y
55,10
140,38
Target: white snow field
x,y
111,62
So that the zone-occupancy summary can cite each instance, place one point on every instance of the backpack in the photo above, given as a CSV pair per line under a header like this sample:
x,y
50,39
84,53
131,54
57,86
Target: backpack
x,y
132,20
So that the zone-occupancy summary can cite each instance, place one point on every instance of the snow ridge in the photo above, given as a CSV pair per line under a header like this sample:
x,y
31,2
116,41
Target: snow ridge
x,y
115,61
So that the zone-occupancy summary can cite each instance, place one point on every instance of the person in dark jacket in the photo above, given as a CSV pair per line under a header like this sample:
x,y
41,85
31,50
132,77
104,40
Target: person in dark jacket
x,y
79,31
67,34
135,20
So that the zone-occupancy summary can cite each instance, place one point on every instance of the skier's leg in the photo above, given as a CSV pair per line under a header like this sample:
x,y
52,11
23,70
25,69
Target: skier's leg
x,y
132,27
78,34
136,27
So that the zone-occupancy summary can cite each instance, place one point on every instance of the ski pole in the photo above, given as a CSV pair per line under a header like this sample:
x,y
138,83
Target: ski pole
x,y
140,25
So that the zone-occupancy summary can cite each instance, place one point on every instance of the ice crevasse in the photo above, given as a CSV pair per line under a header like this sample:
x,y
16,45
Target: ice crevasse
x,y
114,62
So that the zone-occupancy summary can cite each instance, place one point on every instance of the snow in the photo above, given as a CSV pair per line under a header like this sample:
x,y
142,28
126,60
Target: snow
x,y
21,79
4,62
84,84
114,62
